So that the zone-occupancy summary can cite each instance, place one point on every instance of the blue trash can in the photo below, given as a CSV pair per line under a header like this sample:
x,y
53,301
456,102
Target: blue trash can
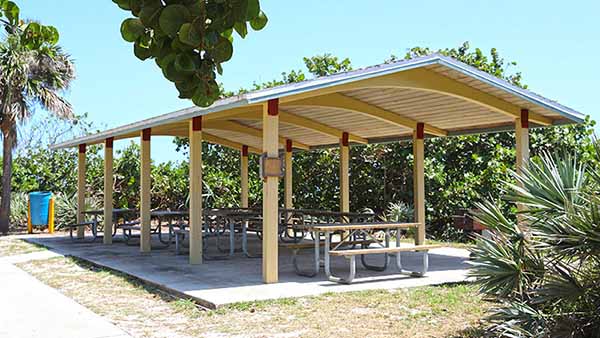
x,y
39,203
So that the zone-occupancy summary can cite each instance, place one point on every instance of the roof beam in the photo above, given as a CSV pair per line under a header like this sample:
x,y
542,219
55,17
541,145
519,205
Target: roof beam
x,y
227,143
322,128
243,129
341,101
307,123
209,137
225,114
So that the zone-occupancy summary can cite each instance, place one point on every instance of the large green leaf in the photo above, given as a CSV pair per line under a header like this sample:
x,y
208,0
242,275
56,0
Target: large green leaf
x,y
185,63
189,35
253,9
140,52
223,50
132,29
150,14
239,9
32,35
241,28
206,93
259,22
172,18
186,88
50,34
11,10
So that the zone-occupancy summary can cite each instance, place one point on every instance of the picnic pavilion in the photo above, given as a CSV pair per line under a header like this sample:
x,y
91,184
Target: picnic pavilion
x,y
431,96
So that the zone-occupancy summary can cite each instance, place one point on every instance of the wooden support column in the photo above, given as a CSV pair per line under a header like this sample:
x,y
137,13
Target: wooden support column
x,y
289,203
270,193
196,224
522,138
81,189
244,177
108,190
522,148
145,240
344,173
419,181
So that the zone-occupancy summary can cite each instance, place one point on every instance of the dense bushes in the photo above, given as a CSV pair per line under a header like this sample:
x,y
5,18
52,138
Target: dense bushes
x,y
544,271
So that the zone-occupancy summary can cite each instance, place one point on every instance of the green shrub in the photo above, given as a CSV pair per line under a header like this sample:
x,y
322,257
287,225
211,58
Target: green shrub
x,y
544,270
18,209
66,207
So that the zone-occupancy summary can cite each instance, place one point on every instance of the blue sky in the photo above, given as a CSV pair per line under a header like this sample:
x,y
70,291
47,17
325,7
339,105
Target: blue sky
x,y
554,42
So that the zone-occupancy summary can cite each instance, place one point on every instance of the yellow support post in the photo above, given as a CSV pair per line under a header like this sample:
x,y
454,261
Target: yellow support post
x,y
51,216
289,194
29,225
196,227
522,148
81,189
270,193
344,174
244,177
522,140
145,240
108,191
419,182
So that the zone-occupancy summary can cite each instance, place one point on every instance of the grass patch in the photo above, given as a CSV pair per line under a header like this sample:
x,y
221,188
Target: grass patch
x,y
145,311
10,246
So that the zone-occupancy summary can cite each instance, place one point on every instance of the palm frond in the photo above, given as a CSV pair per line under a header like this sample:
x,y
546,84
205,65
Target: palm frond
x,y
549,188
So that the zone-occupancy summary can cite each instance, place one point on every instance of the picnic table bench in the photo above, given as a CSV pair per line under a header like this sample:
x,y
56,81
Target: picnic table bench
x,y
362,234
92,225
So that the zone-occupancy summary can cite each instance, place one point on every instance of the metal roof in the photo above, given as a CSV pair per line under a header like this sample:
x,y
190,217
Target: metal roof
x,y
458,68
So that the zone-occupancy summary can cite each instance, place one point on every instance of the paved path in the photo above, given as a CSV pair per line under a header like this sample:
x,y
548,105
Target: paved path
x,y
31,309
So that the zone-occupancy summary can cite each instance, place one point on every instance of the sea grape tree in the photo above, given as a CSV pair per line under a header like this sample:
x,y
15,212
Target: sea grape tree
x,y
32,35
189,39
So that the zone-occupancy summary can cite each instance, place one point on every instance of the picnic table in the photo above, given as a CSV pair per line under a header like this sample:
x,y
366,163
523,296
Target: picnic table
x,y
357,234
174,218
217,222
119,213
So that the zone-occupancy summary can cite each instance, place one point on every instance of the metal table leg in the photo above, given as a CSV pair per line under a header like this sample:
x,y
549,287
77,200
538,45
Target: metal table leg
x,y
245,241
385,255
328,273
316,267
424,267
231,237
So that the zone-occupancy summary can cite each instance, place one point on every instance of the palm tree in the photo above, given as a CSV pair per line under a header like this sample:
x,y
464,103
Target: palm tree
x,y
28,78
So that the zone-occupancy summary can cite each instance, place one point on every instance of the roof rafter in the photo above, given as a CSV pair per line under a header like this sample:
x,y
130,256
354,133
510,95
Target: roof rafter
x,y
227,143
243,129
300,121
341,101
209,137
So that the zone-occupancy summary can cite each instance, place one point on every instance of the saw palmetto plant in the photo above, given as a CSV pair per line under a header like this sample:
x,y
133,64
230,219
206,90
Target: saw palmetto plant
x,y
543,267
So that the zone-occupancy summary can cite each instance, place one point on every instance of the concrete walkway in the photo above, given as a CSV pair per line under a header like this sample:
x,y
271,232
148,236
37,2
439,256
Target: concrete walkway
x,y
31,309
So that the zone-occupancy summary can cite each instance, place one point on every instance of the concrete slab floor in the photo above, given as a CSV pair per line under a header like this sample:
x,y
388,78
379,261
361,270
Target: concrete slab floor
x,y
239,279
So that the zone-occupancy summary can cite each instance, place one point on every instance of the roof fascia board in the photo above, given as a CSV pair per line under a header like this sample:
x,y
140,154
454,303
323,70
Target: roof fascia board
x,y
177,116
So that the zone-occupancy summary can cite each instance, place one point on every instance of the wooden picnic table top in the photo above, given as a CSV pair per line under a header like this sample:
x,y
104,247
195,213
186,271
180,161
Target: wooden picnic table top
x,y
115,211
358,226
175,213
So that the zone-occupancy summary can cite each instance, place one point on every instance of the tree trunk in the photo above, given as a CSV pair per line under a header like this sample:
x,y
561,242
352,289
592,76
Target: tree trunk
x,y
7,146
